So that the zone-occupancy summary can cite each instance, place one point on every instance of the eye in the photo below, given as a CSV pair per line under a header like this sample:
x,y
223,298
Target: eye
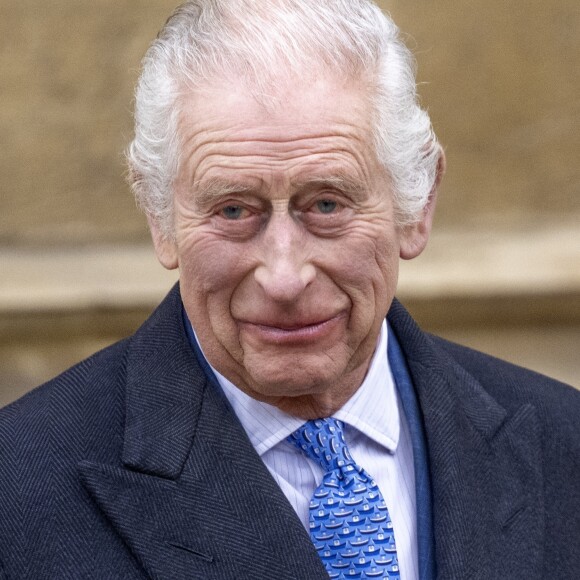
x,y
232,212
326,206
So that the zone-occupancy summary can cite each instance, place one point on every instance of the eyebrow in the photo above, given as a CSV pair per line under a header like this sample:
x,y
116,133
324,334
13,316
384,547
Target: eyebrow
x,y
339,181
211,190
214,189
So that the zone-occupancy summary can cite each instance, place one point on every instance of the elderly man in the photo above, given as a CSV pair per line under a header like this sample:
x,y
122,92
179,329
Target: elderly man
x,y
267,422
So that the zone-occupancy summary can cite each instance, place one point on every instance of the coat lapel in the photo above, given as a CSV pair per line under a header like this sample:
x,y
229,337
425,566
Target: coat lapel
x,y
191,498
485,465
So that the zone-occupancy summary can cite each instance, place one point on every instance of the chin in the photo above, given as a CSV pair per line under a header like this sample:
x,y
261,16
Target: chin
x,y
290,382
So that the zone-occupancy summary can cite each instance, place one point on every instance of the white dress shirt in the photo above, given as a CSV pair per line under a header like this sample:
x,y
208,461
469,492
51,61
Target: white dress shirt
x,y
377,436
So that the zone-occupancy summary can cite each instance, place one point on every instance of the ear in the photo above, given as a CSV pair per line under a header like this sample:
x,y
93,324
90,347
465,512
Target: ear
x,y
414,237
165,247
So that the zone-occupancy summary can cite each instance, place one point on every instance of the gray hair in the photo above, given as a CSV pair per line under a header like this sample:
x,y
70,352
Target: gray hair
x,y
255,40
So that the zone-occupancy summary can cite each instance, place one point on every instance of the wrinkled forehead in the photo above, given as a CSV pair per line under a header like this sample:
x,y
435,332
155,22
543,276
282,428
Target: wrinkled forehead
x,y
320,127
286,99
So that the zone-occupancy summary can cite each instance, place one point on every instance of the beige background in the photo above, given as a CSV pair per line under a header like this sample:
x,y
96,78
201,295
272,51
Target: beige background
x,y
501,81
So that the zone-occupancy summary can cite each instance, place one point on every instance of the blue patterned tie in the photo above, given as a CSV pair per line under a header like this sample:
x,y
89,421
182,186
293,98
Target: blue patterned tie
x,y
349,521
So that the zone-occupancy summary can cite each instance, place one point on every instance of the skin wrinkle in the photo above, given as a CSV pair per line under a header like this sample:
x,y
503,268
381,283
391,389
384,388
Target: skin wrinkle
x,y
214,189
257,286
205,136
249,160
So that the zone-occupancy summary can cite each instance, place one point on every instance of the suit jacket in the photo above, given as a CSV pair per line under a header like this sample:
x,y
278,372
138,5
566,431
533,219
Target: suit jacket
x,y
131,465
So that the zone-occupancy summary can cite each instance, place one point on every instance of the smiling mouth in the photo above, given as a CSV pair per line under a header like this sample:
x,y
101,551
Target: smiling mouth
x,y
289,333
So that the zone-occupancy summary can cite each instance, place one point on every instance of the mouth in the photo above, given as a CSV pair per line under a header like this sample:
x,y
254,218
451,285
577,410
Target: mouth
x,y
292,332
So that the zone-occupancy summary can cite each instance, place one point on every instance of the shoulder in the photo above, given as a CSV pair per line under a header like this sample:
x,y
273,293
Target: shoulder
x,y
557,405
552,412
47,517
554,409
509,384
60,396
57,421
512,385
43,437
60,407
93,387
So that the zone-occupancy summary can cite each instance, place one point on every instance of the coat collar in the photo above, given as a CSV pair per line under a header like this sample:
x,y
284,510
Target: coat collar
x,y
191,498
485,465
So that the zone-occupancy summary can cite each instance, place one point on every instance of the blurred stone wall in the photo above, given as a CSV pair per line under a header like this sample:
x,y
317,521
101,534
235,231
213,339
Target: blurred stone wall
x,y
501,81
67,70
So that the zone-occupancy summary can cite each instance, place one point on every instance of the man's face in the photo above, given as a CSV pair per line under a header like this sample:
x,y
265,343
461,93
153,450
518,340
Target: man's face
x,y
285,240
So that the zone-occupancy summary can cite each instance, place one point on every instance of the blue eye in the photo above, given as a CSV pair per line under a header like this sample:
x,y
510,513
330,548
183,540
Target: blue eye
x,y
232,212
326,206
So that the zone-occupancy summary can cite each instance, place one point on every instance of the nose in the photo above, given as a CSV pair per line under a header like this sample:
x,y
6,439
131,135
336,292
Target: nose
x,y
284,272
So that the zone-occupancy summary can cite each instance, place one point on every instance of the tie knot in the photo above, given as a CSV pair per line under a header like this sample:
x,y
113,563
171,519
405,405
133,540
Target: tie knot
x,y
323,441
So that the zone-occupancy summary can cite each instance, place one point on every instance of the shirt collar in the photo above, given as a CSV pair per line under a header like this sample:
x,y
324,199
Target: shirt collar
x,y
372,410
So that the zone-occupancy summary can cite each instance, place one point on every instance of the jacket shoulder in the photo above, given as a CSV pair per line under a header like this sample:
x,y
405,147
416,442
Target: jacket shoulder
x,y
68,389
63,413
43,436
556,413
50,527
61,417
510,384
79,415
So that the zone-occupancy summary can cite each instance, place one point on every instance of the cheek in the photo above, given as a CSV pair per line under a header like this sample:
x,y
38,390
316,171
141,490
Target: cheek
x,y
209,264
369,262
210,271
368,274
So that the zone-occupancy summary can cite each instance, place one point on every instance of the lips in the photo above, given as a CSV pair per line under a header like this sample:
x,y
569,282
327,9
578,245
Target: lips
x,y
292,331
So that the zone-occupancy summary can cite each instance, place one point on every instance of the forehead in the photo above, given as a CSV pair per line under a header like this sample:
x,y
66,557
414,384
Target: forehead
x,y
319,116
283,97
